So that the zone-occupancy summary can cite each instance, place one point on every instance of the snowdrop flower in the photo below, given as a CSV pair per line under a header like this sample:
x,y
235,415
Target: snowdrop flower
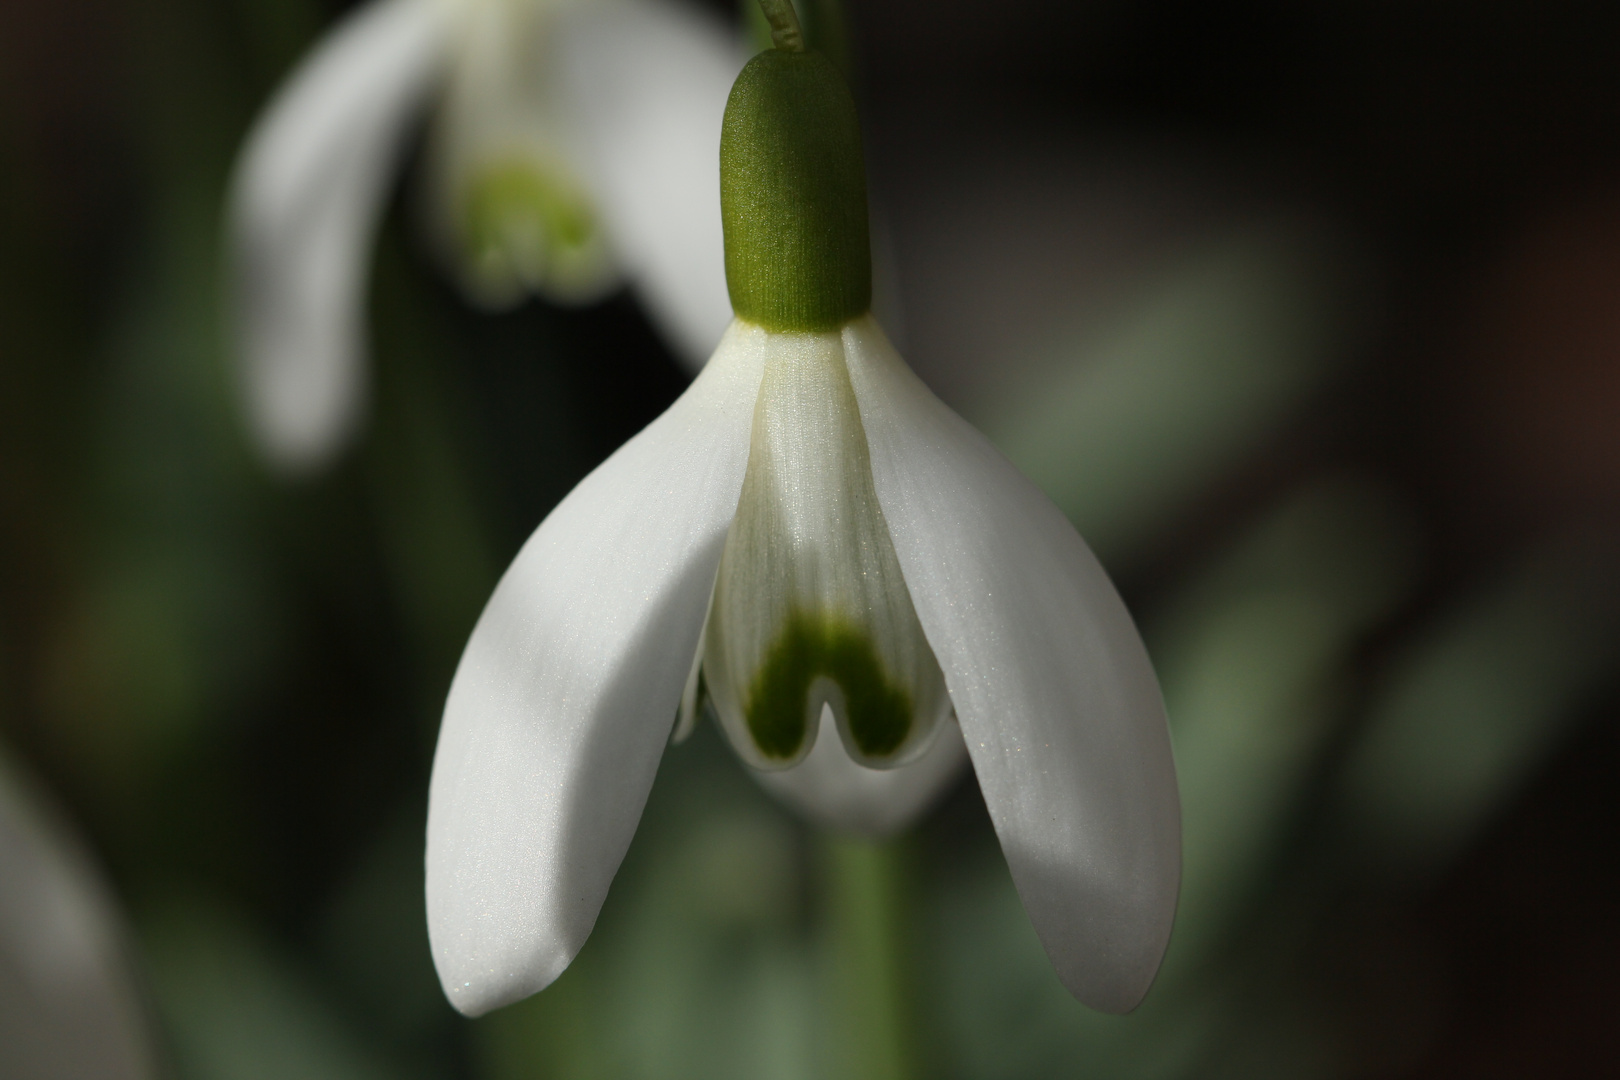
x,y
859,584
574,142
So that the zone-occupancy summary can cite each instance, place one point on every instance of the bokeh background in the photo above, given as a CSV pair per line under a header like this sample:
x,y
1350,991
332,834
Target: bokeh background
x,y
1308,315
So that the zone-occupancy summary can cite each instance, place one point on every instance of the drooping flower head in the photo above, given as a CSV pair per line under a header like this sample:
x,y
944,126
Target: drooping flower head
x,y
572,147
864,589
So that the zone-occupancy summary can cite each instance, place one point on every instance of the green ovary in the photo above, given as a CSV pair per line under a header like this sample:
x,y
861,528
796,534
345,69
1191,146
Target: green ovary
x,y
815,645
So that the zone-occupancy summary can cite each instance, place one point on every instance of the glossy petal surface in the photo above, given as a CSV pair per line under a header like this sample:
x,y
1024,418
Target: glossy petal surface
x,y
1053,689
646,87
566,694
304,203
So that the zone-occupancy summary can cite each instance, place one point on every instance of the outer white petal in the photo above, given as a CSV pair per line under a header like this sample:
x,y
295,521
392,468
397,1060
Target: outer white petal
x,y
304,203
1052,686
830,788
565,697
647,85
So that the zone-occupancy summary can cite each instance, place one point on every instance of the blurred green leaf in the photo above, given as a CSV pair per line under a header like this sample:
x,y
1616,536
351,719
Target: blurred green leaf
x,y
1253,661
1140,417
237,1008
1478,702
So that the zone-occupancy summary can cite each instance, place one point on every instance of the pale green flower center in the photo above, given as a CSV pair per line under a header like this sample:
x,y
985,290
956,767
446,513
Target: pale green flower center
x,y
512,209
527,227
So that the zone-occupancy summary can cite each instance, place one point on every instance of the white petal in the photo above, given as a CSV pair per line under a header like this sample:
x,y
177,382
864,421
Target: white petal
x,y
828,787
647,85
1052,686
564,699
68,1003
305,198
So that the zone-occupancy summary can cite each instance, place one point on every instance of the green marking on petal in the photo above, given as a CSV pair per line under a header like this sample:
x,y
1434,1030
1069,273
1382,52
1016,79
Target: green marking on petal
x,y
818,645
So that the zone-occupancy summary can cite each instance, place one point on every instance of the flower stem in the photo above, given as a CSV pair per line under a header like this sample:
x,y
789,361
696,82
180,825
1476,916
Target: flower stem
x,y
785,32
865,960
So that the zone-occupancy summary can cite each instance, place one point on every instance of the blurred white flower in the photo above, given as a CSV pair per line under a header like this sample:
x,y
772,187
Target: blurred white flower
x,y
68,1004
575,144
844,562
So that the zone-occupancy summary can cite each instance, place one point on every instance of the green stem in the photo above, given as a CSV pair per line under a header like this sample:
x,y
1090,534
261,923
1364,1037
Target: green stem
x,y
785,32
866,969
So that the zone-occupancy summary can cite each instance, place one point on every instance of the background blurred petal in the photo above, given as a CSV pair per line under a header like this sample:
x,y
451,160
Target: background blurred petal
x,y
648,83
70,1004
305,201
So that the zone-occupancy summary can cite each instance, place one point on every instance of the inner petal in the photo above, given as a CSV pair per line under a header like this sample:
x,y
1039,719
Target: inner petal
x,y
810,608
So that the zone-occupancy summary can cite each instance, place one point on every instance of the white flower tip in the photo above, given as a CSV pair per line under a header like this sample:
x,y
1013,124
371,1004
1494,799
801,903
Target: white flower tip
x,y
303,381
475,985
1108,950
